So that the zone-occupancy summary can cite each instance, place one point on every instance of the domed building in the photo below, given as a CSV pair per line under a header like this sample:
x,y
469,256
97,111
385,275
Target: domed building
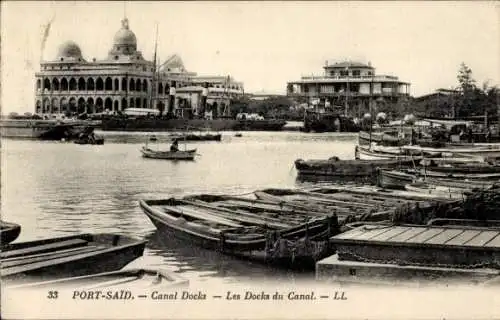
x,y
70,84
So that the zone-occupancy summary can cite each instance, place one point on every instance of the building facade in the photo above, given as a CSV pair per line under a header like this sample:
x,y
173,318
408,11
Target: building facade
x,y
351,85
124,79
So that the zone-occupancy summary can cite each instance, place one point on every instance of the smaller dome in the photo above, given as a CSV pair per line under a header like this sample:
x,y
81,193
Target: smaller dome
x,y
125,36
69,49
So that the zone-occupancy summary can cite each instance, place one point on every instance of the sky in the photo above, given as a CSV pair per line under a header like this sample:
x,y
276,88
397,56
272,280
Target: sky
x,y
262,44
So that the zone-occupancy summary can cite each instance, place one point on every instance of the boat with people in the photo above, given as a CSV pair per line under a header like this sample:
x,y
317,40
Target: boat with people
x,y
68,256
173,154
114,280
168,155
8,232
270,237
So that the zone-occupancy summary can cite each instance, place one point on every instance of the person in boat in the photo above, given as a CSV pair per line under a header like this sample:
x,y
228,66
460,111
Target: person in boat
x,y
175,146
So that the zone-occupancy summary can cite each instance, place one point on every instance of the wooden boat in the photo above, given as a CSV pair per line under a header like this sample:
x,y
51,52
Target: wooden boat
x,y
377,153
466,168
68,256
96,141
347,205
114,280
237,234
384,138
168,155
8,232
398,179
394,179
486,152
441,191
349,168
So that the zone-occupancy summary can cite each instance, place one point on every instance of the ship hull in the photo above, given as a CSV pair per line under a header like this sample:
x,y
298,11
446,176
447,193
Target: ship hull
x,y
151,124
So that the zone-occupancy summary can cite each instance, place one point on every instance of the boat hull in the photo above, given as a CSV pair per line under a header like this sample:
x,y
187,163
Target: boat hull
x,y
57,258
348,168
394,179
9,232
168,155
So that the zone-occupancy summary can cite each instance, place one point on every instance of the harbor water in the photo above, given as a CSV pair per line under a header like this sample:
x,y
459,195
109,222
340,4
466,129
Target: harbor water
x,y
60,188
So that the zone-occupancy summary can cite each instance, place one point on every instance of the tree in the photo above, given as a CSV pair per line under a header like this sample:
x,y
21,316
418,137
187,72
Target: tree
x,y
467,87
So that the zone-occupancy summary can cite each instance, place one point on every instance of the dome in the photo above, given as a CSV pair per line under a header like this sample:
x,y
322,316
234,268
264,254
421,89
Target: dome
x,y
125,36
69,49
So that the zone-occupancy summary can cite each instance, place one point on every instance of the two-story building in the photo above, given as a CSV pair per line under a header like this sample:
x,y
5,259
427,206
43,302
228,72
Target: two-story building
x,y
348,85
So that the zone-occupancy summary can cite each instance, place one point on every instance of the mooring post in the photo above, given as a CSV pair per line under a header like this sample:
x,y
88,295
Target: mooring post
x,y
222,240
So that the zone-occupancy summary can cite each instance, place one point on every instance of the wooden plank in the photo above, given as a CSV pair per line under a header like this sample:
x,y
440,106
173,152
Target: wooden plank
x,y
197,213
494,243
481,239
463,237
44,248
54,255
426,235
389,234
372,232
351,234
445,236
412,232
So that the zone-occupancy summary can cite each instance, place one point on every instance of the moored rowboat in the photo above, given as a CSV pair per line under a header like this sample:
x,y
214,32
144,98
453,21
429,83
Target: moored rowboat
x,y
132,278
68,256
8,232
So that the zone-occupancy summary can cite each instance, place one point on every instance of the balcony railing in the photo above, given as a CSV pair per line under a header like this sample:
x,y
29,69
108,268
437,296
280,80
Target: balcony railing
x,y
349,78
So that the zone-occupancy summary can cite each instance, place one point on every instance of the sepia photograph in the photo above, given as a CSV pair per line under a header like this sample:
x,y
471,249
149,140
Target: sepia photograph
x,y
250,159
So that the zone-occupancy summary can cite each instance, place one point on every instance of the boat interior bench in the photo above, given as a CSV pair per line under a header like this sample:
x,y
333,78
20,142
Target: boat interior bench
x,y
73,243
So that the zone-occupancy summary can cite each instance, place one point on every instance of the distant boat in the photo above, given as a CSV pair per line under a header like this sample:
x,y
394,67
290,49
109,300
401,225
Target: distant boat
x,y
8,232
168,155
198,137
155,279
68,256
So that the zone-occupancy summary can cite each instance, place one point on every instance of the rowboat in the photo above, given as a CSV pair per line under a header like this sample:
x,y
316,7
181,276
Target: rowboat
x,y
168,155
385,138
440,191
394,179
114,280
68,256
239,234
377,153
348,168
483,151
8,232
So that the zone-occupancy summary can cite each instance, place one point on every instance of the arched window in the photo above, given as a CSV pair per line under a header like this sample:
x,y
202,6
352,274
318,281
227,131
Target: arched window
x,y
109,84
117,85
124,104
38,85
124,84
46,84
108,104
72,85
98,105
81,84
137,102
115,106
160,88
144,85
81,105
90,85
99,84
90,105
132,85
55,84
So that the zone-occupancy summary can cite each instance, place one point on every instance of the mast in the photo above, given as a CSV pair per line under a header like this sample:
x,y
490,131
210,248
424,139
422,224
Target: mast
x,y
347,92
370,102
152,96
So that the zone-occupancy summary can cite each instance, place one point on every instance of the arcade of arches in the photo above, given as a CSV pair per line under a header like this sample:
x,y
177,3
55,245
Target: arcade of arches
x,y
94,94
